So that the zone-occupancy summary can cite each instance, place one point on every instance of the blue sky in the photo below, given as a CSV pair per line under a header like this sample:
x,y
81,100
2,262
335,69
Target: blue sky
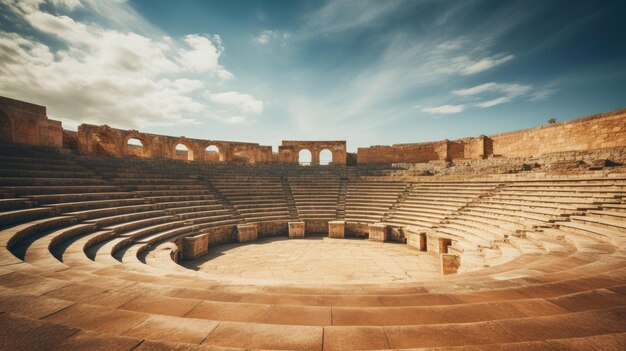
x,y
369,72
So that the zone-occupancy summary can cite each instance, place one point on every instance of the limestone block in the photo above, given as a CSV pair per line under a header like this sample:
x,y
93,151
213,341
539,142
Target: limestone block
x,y
296,230
378,232
336,229
437,245
246,232
450,263
196,246
416,240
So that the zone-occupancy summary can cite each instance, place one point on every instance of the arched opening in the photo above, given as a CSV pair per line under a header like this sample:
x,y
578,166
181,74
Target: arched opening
x,y
326,157
135,147
103,144
304,157
182,152
213,154
6,128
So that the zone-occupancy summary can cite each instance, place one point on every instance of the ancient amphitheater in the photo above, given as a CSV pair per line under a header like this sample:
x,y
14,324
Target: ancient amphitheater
x,y
515,241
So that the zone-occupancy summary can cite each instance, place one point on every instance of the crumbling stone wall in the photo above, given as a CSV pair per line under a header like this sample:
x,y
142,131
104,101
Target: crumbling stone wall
x,y
600,131
112,141
588,133
570,162
22,122
289,151
418,152
26,123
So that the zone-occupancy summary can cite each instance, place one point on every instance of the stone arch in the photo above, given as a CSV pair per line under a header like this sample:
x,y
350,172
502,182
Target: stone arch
x,y
214,153
6,127
305,157
131,148
326,157
177,150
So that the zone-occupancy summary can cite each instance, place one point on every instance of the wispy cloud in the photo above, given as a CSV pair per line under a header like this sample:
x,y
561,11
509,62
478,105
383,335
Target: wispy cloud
x,y
344,15
497,88
405,65
268,36
444,109
485,64
494,94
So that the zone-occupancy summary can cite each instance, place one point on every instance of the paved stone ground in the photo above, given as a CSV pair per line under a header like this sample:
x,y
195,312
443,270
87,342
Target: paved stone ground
x,y
317,260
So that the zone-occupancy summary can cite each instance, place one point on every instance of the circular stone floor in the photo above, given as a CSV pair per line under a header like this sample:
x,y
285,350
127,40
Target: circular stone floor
x,y
316,260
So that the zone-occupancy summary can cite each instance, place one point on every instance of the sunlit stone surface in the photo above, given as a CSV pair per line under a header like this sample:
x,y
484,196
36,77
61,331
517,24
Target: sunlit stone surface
x,y
318,260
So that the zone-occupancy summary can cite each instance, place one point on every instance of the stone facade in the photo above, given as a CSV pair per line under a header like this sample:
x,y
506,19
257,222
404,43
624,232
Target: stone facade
x,y
416,240
296,230
315,226
247,232
600,131
450,263
337,229
115,142
195,246
25,123
584,134
289,150
378,232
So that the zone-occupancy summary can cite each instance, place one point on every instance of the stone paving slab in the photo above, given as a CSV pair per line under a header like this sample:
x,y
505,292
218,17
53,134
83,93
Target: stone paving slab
x,y
318,260
266,336
173,329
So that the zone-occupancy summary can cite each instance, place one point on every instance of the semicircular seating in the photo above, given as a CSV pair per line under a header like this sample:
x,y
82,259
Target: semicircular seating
x,y
90,250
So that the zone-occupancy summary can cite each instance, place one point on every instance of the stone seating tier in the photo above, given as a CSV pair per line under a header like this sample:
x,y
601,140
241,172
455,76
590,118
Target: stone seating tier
x,y
536,272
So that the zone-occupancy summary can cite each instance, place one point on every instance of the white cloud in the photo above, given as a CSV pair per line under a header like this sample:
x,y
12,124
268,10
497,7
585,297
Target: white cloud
x,y
204,55
107,75
495,93
494,102
497,88
268,36
444,109
479,89
467,64
69,4
244,102
485,64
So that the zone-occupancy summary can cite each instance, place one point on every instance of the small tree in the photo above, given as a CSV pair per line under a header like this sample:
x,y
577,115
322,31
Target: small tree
x,y
551,120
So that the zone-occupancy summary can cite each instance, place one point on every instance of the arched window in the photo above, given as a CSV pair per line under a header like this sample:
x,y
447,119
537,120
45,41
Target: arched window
x,y
135,147
326,157
212,153
182,152
304,157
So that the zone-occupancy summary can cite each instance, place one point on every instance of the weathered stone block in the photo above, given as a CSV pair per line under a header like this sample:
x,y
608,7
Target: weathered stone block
x,y
450,263
246,232
416,240
196,246
437,245
337,229
296,230
378,232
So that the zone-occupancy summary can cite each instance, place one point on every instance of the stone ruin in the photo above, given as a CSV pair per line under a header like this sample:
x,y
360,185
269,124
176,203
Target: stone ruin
x,y
515,241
